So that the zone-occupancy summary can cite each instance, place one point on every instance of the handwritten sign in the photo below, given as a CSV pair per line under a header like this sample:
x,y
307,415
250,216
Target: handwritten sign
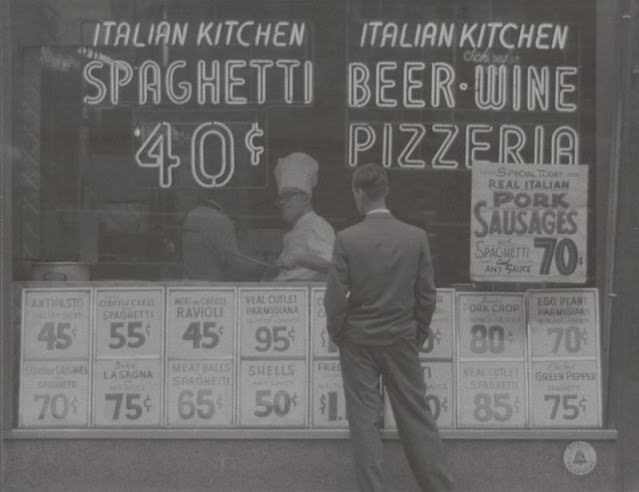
x,y
202,323
438,377
323,346
439,345
328,405
491,394
273,393
127,393
56,324
490,326
273,322
200,393
563,323
54,394
129,322
529,223
565,393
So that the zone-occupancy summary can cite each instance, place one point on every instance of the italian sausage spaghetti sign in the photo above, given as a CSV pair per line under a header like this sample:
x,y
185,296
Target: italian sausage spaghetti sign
x,y
529,223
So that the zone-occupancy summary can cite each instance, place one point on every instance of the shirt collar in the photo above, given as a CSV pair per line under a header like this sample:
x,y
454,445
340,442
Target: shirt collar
x,y
378,211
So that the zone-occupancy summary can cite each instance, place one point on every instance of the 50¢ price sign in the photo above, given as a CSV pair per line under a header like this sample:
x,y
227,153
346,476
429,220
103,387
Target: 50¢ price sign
x,y
274,322
438,377
129,322
491,394
56,324
202,323
127,393
490,326
200,393
329,405
322,344
273,393
565,393
54,394
439,344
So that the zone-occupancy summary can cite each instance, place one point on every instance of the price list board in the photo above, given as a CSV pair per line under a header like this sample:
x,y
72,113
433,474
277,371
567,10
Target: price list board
x,y
328,405
565,367
55,358
273,374
491,363
200,368
129,341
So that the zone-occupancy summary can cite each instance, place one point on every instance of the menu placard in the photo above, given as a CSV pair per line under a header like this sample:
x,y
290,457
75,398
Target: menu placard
x,y
440,343
323,346
328,402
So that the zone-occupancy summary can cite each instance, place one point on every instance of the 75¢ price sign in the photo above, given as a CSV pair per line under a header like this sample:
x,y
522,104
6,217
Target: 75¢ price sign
x,y
202,323
273,322
273,393
127,393
56,324
129,322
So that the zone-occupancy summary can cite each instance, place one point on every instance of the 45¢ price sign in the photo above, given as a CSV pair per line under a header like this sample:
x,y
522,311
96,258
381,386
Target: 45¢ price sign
x,y
273,322
56,324
127,393
202,323
129,322
273,393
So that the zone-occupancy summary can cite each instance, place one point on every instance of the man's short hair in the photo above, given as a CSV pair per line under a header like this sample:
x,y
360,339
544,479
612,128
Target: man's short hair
x,y
372,179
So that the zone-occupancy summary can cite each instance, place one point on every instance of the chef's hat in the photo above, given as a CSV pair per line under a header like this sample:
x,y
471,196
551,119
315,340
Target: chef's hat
x,y
296,170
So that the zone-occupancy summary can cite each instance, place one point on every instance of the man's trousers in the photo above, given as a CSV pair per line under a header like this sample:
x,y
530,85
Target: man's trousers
x,y
404,381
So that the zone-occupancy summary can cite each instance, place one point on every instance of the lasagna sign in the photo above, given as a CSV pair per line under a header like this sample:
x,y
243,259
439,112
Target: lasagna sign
x,y
529,223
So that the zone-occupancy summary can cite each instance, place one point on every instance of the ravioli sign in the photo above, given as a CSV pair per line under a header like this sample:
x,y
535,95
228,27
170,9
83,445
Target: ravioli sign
x,y
529,223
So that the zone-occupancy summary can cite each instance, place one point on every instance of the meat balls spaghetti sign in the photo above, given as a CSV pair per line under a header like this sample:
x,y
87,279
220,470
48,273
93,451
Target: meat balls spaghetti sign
x,y
529,223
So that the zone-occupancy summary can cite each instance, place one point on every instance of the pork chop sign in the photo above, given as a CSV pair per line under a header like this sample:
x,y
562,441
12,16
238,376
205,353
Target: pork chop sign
x,y
529,223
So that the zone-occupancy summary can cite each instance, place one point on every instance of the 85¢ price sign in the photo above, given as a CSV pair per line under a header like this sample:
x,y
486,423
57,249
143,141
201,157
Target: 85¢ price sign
x,y
56,324
129,322
54,394
273,393
490,326
127,393
273,322
202,323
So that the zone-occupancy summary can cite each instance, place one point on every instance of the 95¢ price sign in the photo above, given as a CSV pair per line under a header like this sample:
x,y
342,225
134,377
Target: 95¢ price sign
x,y
129,322
491,394
563,323
200,393
490,326
323,346
127,393
56,324
439,344
201,323
54,394
438,377
273,322
565,393
273,393
329,405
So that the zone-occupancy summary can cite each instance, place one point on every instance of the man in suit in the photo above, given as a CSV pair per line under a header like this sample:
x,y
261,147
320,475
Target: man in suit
x,y
379,301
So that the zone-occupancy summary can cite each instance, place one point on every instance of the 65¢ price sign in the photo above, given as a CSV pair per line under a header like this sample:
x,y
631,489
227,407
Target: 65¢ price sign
x,y
127,393
56,324
129,322
202,323
273,393
273,322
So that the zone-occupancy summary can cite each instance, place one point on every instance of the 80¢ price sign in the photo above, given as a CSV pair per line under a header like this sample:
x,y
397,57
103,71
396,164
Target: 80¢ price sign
x,y
56,324
273,322
202,323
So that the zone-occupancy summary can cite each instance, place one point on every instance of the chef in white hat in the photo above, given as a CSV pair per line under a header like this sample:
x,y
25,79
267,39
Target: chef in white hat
x,y
308,245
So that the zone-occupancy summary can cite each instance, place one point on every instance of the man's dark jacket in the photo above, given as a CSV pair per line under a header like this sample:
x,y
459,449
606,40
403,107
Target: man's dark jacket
x,y
380,287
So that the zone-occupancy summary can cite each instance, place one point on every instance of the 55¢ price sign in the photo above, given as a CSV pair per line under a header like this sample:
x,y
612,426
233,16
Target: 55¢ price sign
x,y
202,323
129,322
273,322
56,324
127,393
